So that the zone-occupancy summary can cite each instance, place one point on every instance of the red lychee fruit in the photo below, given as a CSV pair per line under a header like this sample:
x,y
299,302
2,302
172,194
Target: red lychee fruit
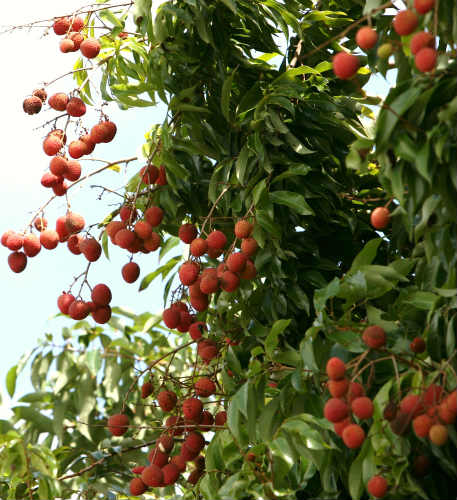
x,y
90,48
101,294
187,454
196,330
366,38
405,22
421,425
353,436
154,216
335,410
66,45
118,424
199,303
152,243
76,149
176,425
162,179
103,132
192,408
76,107
335,368
188,273
171,318
52,145
61,228
32,105
362,407
229,281
77,40
423,6
425,59
130,272
345,65
14,241
185,320
102,314
243,229
417,345
195,441
60,188
249,272
194,476
91,249
58,165
339,427
170,474
411,405
167,400
58,101
165,443
138,469
214,253
206,422
32,245
146,389
198,247
149,174
208,353
90,144
209,284
432,395
78,310
73,172
249,246
338,388
438,434
40,93
187,233
205,387
216,240
124,238
236,262
374,337
74,222
76,23
380,217
5,236
113,227
220,418
137,487
48,180
143,229
156,457
355,390
17,261
64,301
421,40
377,486
152,476
127,213
179,461
200,463
40,223
49,239
61,25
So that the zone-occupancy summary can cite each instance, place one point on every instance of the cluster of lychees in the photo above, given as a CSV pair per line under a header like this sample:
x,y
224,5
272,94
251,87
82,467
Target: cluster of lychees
x,y
422,44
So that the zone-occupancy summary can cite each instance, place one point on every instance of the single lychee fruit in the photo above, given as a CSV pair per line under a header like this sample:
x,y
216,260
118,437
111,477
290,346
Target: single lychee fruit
x,y
101,294
130,272
49,239
249,246
353,436
58,165
162,179
236,262
194,476
40,223
17,261
14,241
192,408
405,22
374,337
32,245
380,218
78,310
366,38
175,426
220,418
137,487
102,314
167,400
345,65
423,6
90,48
196,330
73,172
5,236
205,387
52,145
339,427
187,233
146,389
91,249
209,284
127,213
421,425
118,424
170,474
40,93
425,59
64,301
113,227
77,39
149,174
188,273
74,222
421,40
60,188
152,476
138,469
185,320
58,101
377,486
187,454
76,107
179,461
200,462
206,422
61,25
124,238
229,281
432,395
199,303
61,228
195,441
157,457
143,229
438,434
411,405
76,23
165,443
335,410
208,353
249,272
362,407
154,216
338,388
417,345
152,243
171,318
198,247
243,229
335,368
216,240
66,45
32,105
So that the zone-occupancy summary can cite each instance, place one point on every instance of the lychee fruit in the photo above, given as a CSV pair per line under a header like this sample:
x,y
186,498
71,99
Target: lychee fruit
x,y
179,461
58,101
229,281
243,229
216,240
362,407
124,238
127,213
205,387
417,345
167,400
14,241
196,330
118,424
249,246
152,476
48,180
236,262
32,105
187,454
157,457
91,249
198,247
76,107
438,434
74,222
421,465
101,294
192,408
209,284
40,223
143,229
152,243
137,487
73,172
66,45
374,337
421,40
187,233
249,272
130,272
90,48
425,59
194,476
78,310
411,405
380,217
170,474
377,486
64,301
345,65
41,94
206,422
32,245
432,395
76,23
353,436
199,303
149,174
49,239
58,165
385,50
366,38
61,228
146,389
338,388
176,425
154,216
102,314
17,261
162,179
188,273
421,425
335,368
208,353
61,25
60,188
220,418
423,6
52,145
77,40
195,441
335,410
165,443
405,22
339,427
171,318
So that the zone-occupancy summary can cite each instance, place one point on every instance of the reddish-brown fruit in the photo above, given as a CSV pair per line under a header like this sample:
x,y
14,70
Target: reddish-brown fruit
x,y
101,294
421,425
199,303
58,165
196,330
366,38
405,22
412,405
152,476
61,25
157,457
73,172
390,411
200,462
400,423
345,65
446,413
207,421
52,145
380,217
198,247
113,227
118,424
249,246
152,243
171,318
374,337
243,229
335,368
425,59
338,388
187,454
205,387
77,39
137,487
90,48
170,474
340,426
335,410
179,461
32,105
167,400
76,107
40,223
185,320
109,130
17,261
188,273
438,434
64,301
195,476
423,6
195,441
91,249
149,174
432,395
214,253
154,216
76,23
220,418
127,213
146,389
61,228
421,40
41,94
353,436
249,272
6,235
14,241
421,465
124,238
216,240
209,284
74,222
90,144
32,245
208,353
66,45
79,310
229,281
192,408
187,233
236,262
362,407
60,188
417,345
165,443
138,469
48,180
102,314
176,426
77,148
49,239
130,272
58,101
143,229
377,486
162,179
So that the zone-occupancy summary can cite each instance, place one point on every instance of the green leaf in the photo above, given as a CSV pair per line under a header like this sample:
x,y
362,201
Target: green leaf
x,y
323,294
225,97
11,380
355,477
241,163
271,342
425,301
231,4
292,200
296,145
163,270
366,255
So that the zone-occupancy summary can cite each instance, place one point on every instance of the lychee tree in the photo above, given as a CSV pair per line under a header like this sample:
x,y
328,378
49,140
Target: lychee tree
x,y
307,343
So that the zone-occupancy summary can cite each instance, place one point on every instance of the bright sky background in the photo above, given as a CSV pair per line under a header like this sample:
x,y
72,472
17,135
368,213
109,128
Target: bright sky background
x,y
28,299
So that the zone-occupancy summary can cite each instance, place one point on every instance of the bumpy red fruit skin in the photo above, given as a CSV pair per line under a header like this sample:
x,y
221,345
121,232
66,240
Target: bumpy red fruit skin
x,y
345,65
405,22
102,314
14,241
411,405
110,130
130,272
417,345
17,261
167,400
154,216
32,245
32,105
149,174
157,457
49,239
198,247
220,418
152,243
353,436
61,25
195,476
74,222
249,272
76,107
58,101
179,461
170,474
76,23
187,454
362,407
209,284
335,410
52,145
171,318
355,390
64,301
101,294
187,233
73,172
421,40
374,337
58,165
41,93
152,476
425,59
118,424
6,235
335,368
432,395
165,443
341,425
380,218
421,425
206,422
199,303
216,240
229,281
236,262
137,487
196,329
195,441
366,38
76,149
438,434
205,387
77,39
143,229
90,48
40,223
78,310
60,188
338,388
176,426
146,389
423,6
66,45
249,246
192,408
377,486
91,249
243,229
188,273
208,353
